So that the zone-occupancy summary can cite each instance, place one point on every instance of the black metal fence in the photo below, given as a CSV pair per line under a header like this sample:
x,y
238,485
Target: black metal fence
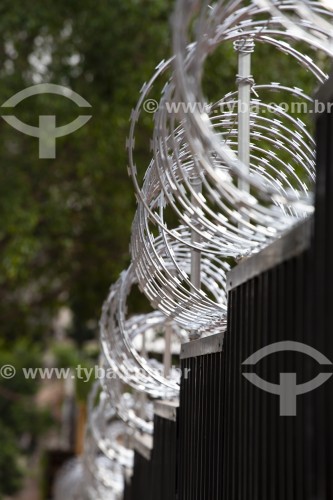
x,y
164,453
233,443
267,454
138,487
321,298
236,440
155,468
200,430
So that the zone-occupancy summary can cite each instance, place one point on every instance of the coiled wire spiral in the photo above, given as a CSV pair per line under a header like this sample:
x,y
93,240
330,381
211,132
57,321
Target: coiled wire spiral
x,y
201,207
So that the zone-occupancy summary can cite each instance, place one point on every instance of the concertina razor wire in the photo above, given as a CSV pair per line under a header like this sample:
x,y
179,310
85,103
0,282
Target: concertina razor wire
x,y
222,183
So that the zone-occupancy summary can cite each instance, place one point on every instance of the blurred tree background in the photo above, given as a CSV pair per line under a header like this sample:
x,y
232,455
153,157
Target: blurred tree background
x,y
65,223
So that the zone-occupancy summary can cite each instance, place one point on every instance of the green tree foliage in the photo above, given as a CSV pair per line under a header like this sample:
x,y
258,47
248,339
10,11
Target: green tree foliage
x,y
65,223
10,471
19,416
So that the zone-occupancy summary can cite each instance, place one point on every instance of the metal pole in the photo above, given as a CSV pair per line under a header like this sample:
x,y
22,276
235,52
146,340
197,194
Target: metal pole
x,y
167,356
142,395
196,184
245,82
